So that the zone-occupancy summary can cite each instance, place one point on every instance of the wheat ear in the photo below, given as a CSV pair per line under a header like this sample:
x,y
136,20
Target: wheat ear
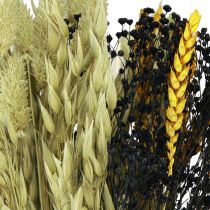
x,y
178,81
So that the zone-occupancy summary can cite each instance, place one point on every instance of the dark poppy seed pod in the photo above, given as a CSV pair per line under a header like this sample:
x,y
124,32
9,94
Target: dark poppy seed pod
x,y
203,30
77,17
121,71
164,21
66,21
129,22
149,10
118,34
120,53
122,21
124,33
207,38
167,8
109,38
113,54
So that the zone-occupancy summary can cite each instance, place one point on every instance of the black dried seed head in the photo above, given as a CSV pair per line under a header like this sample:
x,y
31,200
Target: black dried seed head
x,y
109,38
121,71
172,26
156,24
113,54
134,33
129,21
70,36
77,17
167,8
130,43
207,38
162,15
175,16
67,21
124,33
72,29
118,34
164,21
120,53
131,54
122,21
108,48
149,10
203,30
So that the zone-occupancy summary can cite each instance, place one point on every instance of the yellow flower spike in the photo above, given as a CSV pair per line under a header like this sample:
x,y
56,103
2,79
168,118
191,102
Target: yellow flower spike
x,y
169,129
173,79
170,156
158,13
171,114
188,56
194,28
178,124
172,97
170,171
191,42
182,90
182,49
169,145
174,139
195,18
173,150
180,107
184,73
187,32
177,63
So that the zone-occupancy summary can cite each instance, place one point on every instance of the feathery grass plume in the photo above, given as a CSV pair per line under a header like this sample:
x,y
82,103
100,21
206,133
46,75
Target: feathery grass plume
x,y
25,22
8,24
14,100
39,48
178,84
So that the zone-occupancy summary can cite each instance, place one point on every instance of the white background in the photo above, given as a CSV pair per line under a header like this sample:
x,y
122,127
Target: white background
x,y
131,8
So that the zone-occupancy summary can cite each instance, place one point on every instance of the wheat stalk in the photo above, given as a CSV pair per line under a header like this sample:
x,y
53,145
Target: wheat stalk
x,y
178,80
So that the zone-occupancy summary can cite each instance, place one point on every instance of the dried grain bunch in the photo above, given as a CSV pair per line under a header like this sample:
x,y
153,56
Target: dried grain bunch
x,y
138,175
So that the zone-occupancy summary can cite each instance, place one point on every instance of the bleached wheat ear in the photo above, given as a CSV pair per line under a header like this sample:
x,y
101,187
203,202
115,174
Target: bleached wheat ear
x,y
178,81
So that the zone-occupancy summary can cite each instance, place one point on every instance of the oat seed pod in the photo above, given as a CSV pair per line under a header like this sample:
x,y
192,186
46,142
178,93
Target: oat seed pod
x,y
97,75
67,110
68,161
22,190
48,158
111,94
179,81
108,203
3,162
95,163
88,170
94,45
74,66
78,199
57,20
33,190
53,100
88,142
100,25
92,99
48,121
53,38
52,75
27,163
62,52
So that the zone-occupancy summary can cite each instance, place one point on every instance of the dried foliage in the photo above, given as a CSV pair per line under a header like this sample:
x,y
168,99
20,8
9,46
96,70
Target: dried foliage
x,y
76,133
